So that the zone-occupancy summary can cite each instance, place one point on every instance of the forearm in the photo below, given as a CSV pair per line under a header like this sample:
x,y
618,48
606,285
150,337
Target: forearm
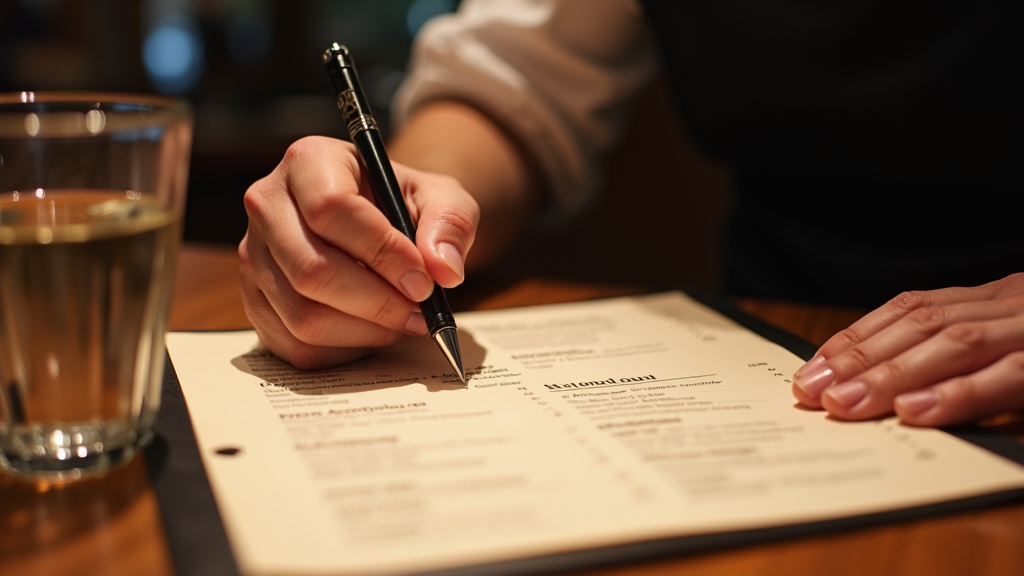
x,y
455,139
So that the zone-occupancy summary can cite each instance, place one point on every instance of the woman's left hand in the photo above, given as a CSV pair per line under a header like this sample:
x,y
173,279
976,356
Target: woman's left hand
x,y
934,358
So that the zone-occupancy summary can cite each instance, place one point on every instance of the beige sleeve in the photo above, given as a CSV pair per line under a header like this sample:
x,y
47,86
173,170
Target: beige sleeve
x,y
559,75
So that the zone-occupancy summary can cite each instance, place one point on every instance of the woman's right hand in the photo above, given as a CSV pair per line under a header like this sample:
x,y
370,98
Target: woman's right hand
x,y
325,277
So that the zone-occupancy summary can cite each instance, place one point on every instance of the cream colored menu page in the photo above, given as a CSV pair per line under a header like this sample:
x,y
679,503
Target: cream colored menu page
x,y
583,425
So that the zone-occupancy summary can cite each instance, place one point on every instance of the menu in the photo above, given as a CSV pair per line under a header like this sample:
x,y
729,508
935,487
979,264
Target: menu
x,y
582,426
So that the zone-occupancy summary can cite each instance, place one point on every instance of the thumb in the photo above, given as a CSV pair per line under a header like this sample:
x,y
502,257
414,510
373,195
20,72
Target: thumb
x,y
448,219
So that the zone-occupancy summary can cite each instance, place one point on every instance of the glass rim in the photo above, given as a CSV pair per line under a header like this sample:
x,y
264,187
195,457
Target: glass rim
x,y
91,113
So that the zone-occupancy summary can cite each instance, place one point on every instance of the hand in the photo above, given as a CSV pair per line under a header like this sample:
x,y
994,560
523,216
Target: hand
x,y
325,277
934,358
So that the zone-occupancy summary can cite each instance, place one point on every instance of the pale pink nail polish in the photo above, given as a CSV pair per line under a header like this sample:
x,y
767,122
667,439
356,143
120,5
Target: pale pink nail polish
x,y
818,359
814,380
848,394
416,324
918,401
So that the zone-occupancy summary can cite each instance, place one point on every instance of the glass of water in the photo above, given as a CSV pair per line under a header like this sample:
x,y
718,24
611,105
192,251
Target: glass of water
x,y
92,196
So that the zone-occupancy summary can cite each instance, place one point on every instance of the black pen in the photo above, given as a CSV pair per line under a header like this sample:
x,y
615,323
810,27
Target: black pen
x,y
386,192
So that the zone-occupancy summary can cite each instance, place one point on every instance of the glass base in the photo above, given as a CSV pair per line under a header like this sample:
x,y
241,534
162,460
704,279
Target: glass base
x,y
65,452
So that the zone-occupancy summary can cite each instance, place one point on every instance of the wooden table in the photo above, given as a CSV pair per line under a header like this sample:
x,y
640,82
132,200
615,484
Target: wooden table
x,y
113,525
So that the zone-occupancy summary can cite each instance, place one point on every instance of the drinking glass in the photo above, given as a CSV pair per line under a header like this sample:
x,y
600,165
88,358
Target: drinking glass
x,y
92,196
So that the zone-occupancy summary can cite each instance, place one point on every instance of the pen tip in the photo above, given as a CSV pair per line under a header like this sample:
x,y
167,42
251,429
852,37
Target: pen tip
x,y
447,339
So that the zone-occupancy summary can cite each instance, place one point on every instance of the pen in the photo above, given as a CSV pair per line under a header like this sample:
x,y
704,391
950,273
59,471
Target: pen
x,y
362,130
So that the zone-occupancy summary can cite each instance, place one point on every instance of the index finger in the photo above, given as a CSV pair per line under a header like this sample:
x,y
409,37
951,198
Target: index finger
x,y
326,181
898,308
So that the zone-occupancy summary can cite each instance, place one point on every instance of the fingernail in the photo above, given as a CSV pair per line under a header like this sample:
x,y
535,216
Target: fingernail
x,y
453,258
917,401
416,285
818,359
416,324
848,394
815,380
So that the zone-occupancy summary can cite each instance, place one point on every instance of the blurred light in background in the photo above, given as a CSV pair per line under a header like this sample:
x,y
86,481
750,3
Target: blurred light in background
x,y
172,53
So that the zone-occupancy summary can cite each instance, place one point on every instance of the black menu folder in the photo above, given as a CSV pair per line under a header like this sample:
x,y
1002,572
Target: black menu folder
x,y
199,544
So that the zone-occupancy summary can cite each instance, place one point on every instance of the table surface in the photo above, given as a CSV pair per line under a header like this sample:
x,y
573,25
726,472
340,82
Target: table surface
x,y
113,525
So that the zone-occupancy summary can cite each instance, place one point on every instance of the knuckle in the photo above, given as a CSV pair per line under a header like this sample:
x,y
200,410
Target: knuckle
x,y
892,372
463,222
929,319
967,335
907,301
378,253
308,275
856,357
322,209
462,215
389,312
253,199
298,149
306,324
850,337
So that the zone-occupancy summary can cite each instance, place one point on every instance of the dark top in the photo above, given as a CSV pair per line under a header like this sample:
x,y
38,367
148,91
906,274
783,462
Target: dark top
x,y
876,147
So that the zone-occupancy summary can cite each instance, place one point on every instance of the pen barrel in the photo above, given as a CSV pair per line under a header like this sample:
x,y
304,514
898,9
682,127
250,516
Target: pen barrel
x,y
363,132
387,193
388,196
383,183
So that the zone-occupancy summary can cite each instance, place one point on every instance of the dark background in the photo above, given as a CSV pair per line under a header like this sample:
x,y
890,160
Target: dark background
x,y
252,72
